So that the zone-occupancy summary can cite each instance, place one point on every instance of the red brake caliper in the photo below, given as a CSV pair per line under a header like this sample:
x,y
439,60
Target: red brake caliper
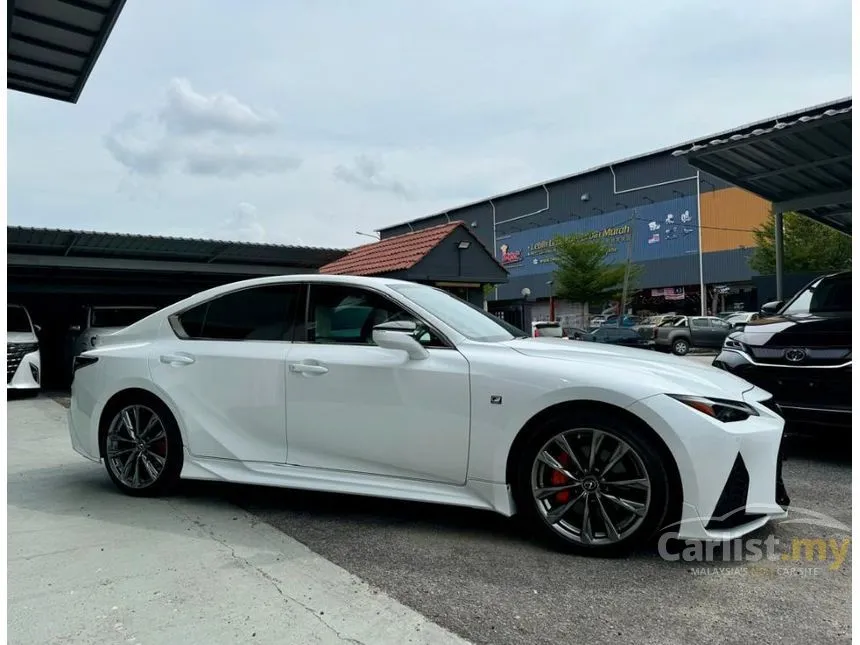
x,y
559,479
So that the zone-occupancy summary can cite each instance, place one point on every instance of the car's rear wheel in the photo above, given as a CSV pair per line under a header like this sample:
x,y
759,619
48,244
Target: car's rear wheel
x,y
680,347
595,484
142,447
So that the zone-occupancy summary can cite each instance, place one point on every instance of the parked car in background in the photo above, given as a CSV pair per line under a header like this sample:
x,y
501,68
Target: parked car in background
x,y
741,319
626,321
545,328
618,336
596,321
575,333
645,327
329,383
801,353
100,321
688,332
23,358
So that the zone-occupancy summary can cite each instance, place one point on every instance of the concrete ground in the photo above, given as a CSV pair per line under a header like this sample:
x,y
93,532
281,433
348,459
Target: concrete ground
x,y
89,565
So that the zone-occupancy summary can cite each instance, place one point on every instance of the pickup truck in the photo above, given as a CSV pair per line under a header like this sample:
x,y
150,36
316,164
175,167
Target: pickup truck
x,y
681,335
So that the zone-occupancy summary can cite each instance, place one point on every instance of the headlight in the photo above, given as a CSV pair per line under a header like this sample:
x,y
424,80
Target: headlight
x,y
732,341
720,409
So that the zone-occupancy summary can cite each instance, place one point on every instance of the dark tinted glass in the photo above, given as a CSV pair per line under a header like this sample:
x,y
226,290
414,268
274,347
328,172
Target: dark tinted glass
x,y
119,316
260,313
828,295
16,320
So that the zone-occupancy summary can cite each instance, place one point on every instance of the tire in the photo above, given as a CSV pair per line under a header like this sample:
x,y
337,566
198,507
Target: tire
x,y
680,347
160,441
644,460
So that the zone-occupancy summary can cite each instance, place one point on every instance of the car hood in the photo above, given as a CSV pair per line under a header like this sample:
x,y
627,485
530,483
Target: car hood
x,y
824,330
659,372
21,337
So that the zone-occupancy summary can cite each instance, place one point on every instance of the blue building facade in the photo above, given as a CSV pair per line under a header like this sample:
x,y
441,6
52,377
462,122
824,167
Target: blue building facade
x,y
650,202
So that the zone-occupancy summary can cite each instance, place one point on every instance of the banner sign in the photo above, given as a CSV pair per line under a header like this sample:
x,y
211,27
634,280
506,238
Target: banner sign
x,y
662,230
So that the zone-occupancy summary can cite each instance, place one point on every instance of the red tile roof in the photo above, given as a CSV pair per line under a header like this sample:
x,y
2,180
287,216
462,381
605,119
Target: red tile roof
x,y
397,253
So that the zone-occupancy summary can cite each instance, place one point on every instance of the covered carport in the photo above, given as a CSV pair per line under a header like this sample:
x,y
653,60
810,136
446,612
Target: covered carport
x,y
53,45
56,274
801,162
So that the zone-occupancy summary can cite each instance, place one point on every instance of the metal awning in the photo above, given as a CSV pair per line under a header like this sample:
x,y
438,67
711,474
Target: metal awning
x,y
53,45
90,250
800,162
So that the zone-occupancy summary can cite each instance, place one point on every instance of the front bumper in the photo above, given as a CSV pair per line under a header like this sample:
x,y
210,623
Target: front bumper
x,y
23,366
806,396
731,474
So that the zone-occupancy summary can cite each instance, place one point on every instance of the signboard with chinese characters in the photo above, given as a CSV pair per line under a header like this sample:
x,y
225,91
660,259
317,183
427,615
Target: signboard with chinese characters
x,y
662,230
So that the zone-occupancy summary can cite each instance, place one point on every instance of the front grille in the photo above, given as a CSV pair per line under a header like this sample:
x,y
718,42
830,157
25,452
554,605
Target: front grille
x,y
810,387
15,353
814,355
730,511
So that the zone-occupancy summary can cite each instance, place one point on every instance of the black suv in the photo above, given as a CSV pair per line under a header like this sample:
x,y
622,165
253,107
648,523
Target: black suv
x,y
801,353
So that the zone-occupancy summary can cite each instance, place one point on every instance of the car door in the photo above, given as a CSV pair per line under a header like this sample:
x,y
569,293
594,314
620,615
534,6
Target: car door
x,y
701,334
719,330
356,407
224,367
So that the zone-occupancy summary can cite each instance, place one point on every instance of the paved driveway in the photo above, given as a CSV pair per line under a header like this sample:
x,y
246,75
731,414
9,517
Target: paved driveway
x,y
89,565
480,576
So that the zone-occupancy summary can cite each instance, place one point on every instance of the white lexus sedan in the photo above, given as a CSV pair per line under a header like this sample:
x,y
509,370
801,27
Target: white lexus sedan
x,y
380,387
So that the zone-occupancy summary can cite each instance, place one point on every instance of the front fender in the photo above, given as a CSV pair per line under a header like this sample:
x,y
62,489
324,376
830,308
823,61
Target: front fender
x,y
495,426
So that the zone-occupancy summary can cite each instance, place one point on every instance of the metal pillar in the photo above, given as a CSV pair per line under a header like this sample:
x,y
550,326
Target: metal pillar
x,y
779,251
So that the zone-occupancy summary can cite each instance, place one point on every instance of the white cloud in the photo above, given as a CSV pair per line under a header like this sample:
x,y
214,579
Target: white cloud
x,y
194,134
188,112
242,225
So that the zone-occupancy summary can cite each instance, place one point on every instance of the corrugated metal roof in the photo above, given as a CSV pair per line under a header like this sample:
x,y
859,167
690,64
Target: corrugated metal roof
x,y
53,45
45,241
801,164
397,253
837,104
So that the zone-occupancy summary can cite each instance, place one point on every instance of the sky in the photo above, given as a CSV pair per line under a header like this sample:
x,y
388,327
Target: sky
x,y
304,121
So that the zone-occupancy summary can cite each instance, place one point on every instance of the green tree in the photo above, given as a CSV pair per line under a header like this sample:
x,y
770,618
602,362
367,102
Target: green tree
x,y
809,247
583,275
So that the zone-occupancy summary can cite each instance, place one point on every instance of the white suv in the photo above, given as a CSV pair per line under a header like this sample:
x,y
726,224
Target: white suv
x,y
547,329
23,360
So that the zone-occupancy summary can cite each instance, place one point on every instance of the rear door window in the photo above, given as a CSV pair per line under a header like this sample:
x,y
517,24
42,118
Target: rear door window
x,y
258,313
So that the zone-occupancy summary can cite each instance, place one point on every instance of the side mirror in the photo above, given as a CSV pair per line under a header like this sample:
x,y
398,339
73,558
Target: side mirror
x,y
38,328
398,334
75,329
771,308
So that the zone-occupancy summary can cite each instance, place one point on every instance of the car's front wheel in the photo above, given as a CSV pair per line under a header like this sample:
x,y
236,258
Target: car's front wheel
x,y
142,447
594,484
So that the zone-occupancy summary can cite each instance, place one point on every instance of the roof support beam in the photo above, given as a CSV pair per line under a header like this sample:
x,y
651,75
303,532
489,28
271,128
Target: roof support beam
x,y
813,201
124,264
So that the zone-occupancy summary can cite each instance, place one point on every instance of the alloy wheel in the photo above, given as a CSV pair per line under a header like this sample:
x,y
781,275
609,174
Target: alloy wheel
x,y
136,447
591,487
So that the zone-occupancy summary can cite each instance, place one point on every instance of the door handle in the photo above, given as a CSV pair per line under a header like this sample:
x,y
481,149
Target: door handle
x,y
177,359
308,368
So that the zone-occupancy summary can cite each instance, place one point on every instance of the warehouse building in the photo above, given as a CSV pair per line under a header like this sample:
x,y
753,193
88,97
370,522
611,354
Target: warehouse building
x,y
688,229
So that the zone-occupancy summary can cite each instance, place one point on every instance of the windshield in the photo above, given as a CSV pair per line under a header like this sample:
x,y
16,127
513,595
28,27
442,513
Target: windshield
x,y
827,295
17,320
471,321
118,316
